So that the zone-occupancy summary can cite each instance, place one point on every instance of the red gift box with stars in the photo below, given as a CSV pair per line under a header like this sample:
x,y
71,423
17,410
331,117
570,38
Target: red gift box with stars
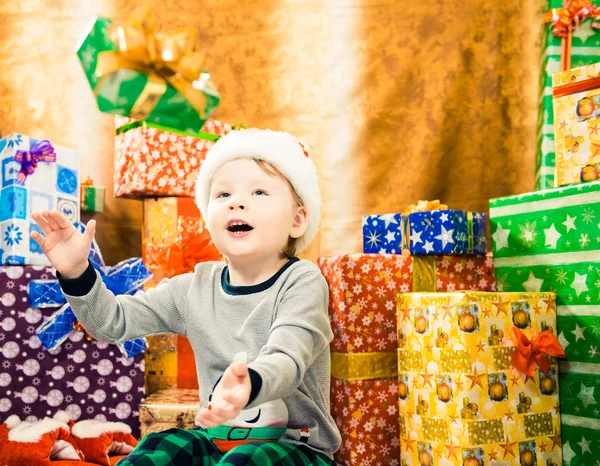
x,y
362,310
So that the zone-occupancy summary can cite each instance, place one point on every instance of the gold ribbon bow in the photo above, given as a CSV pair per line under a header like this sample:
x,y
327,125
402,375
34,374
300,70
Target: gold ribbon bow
x,y
422,206
170,58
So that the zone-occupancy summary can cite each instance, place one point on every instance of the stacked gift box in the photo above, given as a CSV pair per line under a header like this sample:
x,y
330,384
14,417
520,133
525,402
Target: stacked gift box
x,y
48,363
561,49
549,241
174,240
463,399
363,313
86,378
36,175
159,165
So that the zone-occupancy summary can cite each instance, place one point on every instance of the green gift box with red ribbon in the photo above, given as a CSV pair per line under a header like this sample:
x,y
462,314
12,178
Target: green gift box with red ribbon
x,y
36,175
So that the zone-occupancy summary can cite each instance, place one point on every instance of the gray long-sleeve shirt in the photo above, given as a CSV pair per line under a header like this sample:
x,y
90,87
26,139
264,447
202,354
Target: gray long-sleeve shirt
x,y
281,324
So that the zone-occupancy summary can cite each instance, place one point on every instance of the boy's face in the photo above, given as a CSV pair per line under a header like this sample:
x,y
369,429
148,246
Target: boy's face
x,y
251,213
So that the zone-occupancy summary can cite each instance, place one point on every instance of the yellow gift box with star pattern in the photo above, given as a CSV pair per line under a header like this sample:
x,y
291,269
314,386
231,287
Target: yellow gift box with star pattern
x,y
461,400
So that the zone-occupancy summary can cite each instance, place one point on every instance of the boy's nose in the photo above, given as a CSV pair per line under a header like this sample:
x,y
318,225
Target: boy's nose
x,y
236,205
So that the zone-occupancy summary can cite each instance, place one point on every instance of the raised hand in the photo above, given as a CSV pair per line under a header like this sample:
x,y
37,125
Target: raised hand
x,y
229,397
64,246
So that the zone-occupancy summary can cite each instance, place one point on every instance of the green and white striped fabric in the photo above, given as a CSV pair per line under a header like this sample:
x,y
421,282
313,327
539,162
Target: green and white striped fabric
x,y
550,241
585,51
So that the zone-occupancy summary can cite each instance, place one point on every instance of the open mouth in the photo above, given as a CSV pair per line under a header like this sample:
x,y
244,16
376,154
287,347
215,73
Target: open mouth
x,y
239,227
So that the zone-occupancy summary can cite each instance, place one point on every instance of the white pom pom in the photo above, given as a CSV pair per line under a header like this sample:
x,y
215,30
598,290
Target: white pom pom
x,y
12,422
62,416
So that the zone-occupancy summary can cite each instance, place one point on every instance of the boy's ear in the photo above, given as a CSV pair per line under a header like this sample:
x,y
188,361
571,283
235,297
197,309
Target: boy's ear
x,y
300,222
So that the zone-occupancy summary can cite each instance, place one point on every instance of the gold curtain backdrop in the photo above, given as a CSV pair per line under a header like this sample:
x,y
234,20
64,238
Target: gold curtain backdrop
x,y
399,101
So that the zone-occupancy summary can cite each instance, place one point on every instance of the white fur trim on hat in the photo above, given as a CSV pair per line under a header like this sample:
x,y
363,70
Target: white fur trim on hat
x,y
284,152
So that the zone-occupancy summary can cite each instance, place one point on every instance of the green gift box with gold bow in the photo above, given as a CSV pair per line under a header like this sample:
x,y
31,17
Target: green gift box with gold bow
x,y
136,72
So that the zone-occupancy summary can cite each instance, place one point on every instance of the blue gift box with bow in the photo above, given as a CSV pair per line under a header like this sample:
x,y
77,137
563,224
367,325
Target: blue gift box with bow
x,y
127,277
382,234
36,175
445,232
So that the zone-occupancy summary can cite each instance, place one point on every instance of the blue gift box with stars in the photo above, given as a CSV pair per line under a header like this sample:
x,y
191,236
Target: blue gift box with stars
x,y
36,175
446,232
382,234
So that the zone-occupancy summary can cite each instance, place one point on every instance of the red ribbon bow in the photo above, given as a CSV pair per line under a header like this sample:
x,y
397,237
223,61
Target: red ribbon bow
x,y
565,19
534,350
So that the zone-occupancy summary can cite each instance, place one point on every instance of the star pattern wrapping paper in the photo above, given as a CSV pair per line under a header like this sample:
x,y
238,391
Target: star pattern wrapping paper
x,y
362,312
87,379
577,124
550,241
461,400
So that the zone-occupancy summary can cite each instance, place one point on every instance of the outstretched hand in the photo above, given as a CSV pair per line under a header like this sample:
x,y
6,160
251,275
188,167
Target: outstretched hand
x,y
229,397
64,246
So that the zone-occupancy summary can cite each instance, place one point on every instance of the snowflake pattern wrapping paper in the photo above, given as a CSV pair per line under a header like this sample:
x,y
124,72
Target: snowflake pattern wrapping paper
x,y
362,312
550,241
462,401
153,163
51,186
88,379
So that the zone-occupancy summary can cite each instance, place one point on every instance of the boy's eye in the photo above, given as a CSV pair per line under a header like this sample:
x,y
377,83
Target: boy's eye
x,y
222,195
260,192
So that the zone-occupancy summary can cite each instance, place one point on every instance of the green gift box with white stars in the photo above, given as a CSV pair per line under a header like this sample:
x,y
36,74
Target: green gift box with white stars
x,y
550,241
585,50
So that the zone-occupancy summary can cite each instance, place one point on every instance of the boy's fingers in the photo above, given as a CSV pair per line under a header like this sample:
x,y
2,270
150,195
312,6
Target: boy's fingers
x,y
239,369
62,221
224,411
42,223
51,221
235,398
209,419
90,231
39,239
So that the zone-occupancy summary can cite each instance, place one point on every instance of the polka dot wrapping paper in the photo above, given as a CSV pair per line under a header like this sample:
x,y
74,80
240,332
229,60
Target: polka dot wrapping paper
x,y
87,379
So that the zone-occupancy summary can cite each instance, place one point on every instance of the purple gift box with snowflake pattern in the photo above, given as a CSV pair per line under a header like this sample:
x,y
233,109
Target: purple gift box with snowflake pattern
x,y
49,185
87,379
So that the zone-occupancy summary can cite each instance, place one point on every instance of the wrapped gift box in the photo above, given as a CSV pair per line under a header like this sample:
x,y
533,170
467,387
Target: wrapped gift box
x,y
165,409
87,379
462,401
445,232
584,49
174,238
92,197
51,186
151,162
577,124
362,310
174,241
382,234
172,89
548,241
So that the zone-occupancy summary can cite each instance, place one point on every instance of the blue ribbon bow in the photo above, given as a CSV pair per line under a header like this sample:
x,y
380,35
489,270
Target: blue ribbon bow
x,y
127,277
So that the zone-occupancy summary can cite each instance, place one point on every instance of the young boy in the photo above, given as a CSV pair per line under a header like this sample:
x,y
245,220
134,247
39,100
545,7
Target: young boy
x,y
258,193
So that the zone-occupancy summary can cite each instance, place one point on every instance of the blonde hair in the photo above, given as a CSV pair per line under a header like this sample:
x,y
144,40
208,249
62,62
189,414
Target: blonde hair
x,y
289,249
